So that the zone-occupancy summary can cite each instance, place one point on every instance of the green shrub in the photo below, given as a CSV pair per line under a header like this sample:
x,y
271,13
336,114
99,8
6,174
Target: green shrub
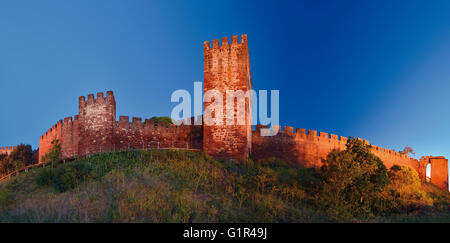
x,y
308,177
45,176
351,181
404,191
64,178
403,175
5,199
21,156
273,162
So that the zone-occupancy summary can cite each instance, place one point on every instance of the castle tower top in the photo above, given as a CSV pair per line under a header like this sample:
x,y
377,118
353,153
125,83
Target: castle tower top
x,y
225,43
108,102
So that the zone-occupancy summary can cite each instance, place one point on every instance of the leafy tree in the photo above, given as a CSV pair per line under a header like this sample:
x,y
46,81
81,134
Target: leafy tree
x,y
404,175
352,180
404,190
407,150
54,154
162,119
5,166
21,156
3,158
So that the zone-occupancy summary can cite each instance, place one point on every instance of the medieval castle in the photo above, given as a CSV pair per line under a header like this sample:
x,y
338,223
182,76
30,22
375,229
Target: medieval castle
x,y
226,67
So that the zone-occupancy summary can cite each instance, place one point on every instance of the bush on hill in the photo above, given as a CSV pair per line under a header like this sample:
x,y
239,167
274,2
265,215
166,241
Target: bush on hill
x,y
404,192
351,182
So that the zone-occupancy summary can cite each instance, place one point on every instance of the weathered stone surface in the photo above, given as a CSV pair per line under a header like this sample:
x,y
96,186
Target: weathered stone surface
x,y
439,170
308,150
227,67
95,130
96,118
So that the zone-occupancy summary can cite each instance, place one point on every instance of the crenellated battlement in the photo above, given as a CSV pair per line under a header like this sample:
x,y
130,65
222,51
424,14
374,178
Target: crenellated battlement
x,y
309,148
65,131
300,133
52,132
45,141
225,43
101,99
150,125
95,130
144,135
7,149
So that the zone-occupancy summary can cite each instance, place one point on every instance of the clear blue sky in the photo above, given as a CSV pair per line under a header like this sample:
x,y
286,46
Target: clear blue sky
x,y
379,70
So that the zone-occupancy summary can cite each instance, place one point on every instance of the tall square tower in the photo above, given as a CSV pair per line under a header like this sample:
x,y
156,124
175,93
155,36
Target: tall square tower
x,y
227,68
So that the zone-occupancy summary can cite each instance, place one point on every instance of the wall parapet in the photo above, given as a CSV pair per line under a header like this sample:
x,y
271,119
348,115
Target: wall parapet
x,y
320,143
95,130
7,149
225,42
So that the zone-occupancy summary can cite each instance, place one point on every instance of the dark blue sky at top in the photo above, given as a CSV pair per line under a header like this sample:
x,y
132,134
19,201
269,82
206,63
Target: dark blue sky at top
x,y
379,70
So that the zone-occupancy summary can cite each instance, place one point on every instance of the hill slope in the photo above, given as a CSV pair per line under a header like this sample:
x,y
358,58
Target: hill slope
x,y
170,186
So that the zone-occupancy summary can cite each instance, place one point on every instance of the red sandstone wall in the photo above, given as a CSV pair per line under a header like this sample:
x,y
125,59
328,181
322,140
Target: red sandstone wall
x,y
87,136
68,134
96,119
95,130
227,67
299,148
439,172
45,141
70,137
390,158
138,135
7,150
308,150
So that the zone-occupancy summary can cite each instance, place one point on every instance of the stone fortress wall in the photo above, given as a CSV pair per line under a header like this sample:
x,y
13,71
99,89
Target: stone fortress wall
x,y
310,149
227,66
95,130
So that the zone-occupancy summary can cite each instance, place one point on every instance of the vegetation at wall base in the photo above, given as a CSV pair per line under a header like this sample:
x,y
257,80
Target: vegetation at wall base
x,y
183,186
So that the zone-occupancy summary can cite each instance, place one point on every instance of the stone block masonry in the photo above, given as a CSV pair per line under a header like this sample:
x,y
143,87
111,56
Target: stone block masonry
x,y
227,67
309,149
96,119
95,130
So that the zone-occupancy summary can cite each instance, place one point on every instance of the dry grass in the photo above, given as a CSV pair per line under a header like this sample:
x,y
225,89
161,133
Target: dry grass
x,y
172,186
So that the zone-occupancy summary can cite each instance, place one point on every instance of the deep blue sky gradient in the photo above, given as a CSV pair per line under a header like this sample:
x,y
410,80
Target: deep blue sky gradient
x,y
379,70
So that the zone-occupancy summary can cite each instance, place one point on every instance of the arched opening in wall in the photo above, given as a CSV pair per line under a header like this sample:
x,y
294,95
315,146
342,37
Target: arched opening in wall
x,y
428,173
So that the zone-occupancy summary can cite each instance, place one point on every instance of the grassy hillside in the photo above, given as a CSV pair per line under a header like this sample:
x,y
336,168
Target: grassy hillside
x,y
176,186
